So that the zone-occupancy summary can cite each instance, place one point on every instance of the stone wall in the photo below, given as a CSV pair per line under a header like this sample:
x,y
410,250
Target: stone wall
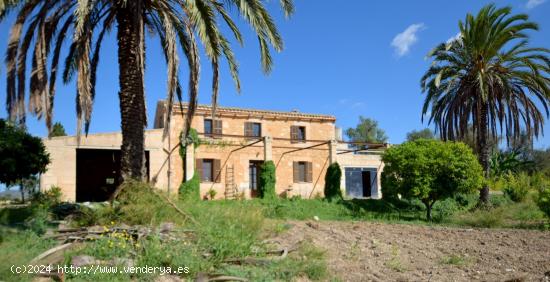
x,y
61,171
279,129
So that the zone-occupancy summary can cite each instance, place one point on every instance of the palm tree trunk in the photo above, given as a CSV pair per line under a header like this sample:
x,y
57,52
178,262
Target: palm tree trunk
x,y
132,92
483,152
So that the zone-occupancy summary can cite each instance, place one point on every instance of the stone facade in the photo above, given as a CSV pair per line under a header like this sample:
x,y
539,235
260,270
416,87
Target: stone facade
x,y
300,164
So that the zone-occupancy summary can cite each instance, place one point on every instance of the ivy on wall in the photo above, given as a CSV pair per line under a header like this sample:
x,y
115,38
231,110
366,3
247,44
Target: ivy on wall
x,y
190,190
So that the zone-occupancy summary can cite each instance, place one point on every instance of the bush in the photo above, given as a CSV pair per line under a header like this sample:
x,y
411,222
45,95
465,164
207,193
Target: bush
x,y
332,182
190,190
140,204
445,208
430,170
266,185
516,187
48,198
543,201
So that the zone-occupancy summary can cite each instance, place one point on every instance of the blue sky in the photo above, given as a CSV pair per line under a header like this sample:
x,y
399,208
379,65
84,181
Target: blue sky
x,y
346,58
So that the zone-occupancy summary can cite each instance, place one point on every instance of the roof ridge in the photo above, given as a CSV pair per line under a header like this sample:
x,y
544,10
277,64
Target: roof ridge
x,y
238,109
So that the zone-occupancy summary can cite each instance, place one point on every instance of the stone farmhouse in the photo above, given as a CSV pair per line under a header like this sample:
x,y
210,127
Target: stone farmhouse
x,y
233,145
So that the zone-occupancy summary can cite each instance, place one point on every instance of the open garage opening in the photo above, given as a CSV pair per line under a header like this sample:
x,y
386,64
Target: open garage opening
x,y
98,173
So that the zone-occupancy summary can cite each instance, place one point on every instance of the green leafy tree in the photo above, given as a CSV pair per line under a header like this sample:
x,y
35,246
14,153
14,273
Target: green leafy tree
x,y
176,23
22,156
430,170
490,78
420,134
367,131
57,130
503,163
27,186
332,182
541,161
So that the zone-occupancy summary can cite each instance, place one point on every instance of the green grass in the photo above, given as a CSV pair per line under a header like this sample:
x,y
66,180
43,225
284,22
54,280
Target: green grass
x,y
394,263
18,248
235,229
508,214
457,260
222,231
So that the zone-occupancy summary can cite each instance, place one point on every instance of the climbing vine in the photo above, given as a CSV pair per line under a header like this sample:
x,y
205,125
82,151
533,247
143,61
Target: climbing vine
x,y
190,190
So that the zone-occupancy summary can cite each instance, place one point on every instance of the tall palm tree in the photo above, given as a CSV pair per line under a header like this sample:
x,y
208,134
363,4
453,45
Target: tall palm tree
x,y
490,78
177,23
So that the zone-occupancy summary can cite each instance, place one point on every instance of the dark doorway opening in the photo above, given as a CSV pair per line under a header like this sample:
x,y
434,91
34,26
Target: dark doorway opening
x,y
98,173
254,177
365,175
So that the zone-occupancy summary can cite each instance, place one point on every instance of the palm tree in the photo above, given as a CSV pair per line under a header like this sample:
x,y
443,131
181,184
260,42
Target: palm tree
x,y
177,23
489,78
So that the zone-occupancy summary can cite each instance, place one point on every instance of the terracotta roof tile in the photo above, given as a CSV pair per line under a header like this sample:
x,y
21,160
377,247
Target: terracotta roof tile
x,y
219,109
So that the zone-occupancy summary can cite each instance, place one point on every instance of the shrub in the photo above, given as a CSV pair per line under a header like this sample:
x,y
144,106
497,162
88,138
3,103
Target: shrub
x,y
543,201
266,183
140,204
516,187
332,182
499,201
430,170
212,193
481,218
48,198
190,190
445,208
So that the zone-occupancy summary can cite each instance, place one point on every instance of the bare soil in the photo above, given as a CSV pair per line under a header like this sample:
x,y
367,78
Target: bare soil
x,y
366,251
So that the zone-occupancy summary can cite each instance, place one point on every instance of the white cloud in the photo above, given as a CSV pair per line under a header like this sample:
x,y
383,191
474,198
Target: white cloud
x,y
454,38
357,105
351,104
403,41
533,3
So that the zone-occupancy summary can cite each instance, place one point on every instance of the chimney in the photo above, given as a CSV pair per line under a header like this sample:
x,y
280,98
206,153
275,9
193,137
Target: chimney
x,y
338,134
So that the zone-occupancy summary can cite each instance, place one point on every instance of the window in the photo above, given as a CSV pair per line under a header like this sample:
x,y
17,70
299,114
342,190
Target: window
x,y
213,128
252,129
253,173
298,134
302,172
208,170
208,127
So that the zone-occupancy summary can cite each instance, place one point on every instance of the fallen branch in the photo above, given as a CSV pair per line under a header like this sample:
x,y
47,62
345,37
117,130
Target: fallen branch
x,y
50,252
176,207
261,261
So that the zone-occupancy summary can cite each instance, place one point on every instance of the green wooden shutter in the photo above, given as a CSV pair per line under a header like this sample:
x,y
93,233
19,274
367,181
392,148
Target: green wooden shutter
x,y
198,168
216,170
309,172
